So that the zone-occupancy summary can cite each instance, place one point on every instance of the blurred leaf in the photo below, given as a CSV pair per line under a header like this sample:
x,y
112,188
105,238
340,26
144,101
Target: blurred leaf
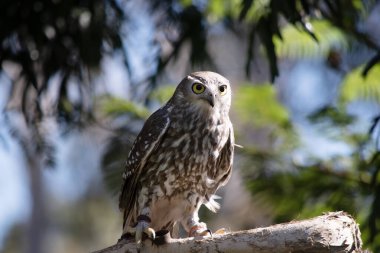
x,y
66,106
357,87
113,160
249,10
218,9
373,221
358,5
117,106
191,27
298,44
186,2
266,38
267,25
258,105
245,6
163,93
58,35
252,11
337,117
372,62
306,192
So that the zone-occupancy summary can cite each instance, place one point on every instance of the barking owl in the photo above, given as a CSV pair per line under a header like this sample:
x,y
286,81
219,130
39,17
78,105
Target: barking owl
x,y
182,155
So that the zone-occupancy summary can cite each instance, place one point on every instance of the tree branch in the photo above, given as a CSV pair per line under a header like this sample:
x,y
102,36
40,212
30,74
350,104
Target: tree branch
x,y
331,232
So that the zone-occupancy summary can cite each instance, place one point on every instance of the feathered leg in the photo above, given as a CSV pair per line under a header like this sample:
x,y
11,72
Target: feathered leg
x,y
142,226
194,227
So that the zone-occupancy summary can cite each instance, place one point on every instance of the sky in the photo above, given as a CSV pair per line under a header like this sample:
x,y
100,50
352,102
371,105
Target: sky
x,y
14,192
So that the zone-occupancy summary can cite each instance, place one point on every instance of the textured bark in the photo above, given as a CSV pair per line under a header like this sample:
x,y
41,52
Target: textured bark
x,y
331,232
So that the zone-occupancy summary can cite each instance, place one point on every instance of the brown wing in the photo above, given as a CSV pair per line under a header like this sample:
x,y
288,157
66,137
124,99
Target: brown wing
x,y
226,158
224,164
146,142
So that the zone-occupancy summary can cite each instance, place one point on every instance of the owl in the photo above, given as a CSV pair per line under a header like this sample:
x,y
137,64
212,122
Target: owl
x,y
182,155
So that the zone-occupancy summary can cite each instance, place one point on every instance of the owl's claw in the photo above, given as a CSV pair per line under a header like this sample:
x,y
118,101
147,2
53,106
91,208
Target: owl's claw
x,y
199,230
150,232
143,227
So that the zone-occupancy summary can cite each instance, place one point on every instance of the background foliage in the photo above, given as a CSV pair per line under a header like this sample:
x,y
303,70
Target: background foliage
x,y
53,53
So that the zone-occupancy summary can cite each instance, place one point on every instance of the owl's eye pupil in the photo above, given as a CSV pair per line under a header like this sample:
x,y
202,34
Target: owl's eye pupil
x,y
222,88
198,88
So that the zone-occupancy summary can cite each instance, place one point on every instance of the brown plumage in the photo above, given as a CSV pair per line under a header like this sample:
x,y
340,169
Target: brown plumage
x,y
182,155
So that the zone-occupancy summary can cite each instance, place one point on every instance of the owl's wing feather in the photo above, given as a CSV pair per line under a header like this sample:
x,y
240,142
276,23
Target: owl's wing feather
x,y
224,163
226,157
147,141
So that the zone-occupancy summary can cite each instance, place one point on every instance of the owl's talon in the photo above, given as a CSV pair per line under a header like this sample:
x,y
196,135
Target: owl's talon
x,y
206,232
143,227
150,232
199,230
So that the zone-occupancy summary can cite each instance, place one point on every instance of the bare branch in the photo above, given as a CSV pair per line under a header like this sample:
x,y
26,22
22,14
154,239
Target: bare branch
x,y
331,232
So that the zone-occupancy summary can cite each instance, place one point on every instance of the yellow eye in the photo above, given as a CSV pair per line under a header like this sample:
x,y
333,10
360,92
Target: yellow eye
x,y
223,89
198,88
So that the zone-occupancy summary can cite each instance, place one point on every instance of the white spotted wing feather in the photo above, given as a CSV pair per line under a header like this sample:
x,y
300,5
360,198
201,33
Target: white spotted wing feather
x,y
145,143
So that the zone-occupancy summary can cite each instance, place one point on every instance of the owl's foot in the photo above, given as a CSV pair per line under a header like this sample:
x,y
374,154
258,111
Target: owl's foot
x,y
142,226
199,230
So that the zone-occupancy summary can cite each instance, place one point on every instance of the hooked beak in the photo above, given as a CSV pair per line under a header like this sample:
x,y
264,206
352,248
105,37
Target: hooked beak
x,y
211,99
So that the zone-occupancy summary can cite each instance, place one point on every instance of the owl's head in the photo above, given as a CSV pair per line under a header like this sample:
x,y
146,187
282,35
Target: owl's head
x,y
206,89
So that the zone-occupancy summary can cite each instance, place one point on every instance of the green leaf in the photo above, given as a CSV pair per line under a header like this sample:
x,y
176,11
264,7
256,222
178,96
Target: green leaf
x,y
163,93
185,2
357,87
118,106
323,189
258,105
296,43
219,9
259,9
337,117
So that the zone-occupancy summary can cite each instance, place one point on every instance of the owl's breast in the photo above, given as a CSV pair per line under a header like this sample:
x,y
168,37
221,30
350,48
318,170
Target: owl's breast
x,y
185,158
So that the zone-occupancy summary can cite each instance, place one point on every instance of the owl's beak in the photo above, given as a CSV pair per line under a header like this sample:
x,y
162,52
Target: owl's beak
x,y
211,99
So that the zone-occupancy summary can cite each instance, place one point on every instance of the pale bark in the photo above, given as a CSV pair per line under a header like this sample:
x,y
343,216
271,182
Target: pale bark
x,y
331,232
